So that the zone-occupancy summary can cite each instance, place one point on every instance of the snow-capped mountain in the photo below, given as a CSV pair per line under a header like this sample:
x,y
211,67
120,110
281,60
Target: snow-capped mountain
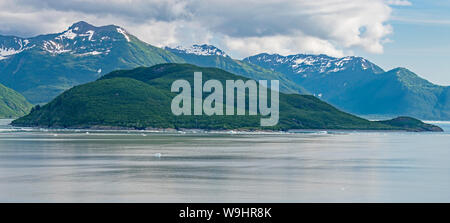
x,y
201,50
81,39
41,67
305,64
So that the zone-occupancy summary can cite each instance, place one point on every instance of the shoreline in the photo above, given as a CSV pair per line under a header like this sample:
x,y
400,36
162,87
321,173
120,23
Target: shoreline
x,y
7,122
206,131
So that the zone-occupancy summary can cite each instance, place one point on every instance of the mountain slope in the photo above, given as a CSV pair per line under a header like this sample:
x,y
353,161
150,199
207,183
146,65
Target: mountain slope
x,y
41,67
356,85
141,98
210,56
12,104
399,91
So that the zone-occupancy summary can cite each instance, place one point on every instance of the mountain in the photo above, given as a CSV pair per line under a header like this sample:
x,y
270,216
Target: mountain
x,y
400,91
308,65
12,104
42,67
358,86
211,56
141,98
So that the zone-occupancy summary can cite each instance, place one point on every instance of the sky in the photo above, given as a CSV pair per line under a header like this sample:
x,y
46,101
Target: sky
x,y
391,33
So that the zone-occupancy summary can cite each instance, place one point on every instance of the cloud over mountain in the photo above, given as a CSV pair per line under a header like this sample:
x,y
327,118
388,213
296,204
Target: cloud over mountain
x,y
334,27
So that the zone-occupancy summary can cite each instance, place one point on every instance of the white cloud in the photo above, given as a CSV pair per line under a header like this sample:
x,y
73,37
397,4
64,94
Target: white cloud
x,y
284,45
399,2
240,27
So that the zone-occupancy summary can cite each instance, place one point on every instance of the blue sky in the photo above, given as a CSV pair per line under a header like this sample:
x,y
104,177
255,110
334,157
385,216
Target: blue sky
x,y
420,40
391,33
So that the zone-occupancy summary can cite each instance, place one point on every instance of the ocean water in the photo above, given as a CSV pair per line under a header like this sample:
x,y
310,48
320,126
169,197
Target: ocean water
x,y
41,165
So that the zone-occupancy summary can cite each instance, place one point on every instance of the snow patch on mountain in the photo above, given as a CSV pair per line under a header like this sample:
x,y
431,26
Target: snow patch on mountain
x,y
54,48
124,33
18,47
92,53
89,34
202,50
302,63
69,34
6,52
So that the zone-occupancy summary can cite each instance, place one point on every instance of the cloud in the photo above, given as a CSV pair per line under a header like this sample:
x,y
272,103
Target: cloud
x,y
284,45
399,2
241,27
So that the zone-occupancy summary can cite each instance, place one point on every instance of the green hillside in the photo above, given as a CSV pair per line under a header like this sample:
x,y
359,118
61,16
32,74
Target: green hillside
x,y
140,98
12,104
397,92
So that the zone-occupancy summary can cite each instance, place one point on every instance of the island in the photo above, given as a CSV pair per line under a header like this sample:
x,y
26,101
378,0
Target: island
x,y
141,98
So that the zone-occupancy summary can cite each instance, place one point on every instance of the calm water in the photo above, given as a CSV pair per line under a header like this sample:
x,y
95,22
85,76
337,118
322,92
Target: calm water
x,y
73,166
